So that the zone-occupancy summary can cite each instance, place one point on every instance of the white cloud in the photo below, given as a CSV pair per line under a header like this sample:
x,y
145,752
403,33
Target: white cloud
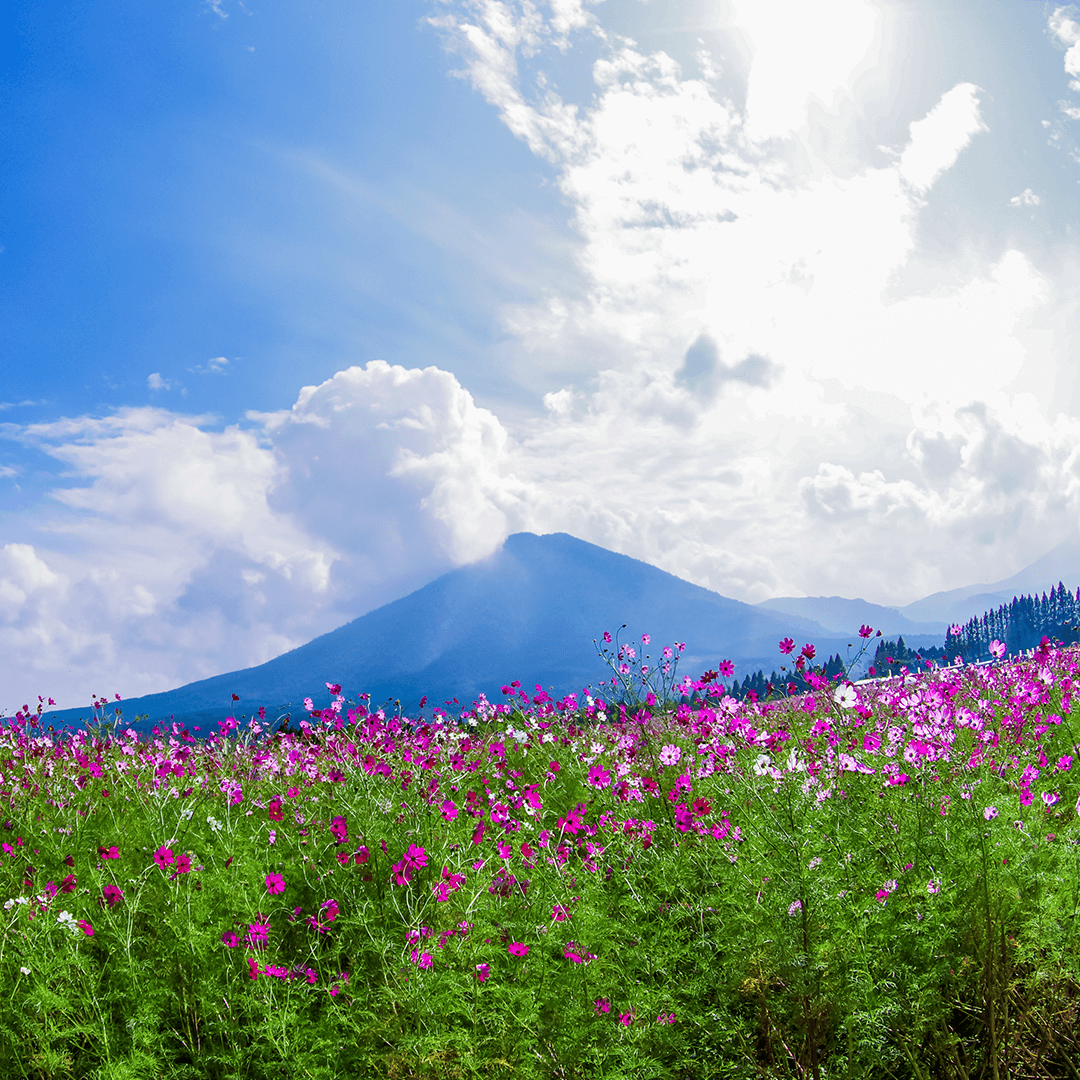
x,y
154,381
801,52
1027,197
937,139
180,552
215,366
754,381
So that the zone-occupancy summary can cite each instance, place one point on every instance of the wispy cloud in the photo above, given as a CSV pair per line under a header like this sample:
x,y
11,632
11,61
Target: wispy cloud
x,y
217,365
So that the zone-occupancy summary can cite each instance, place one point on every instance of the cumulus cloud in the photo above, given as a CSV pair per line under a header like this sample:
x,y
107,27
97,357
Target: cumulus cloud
x,y
751,382
937,139
177,552
1027,197
801,53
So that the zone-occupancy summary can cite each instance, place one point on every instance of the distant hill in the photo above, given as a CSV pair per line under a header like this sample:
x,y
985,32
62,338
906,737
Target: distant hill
x,y
1061,563
843,616
531,611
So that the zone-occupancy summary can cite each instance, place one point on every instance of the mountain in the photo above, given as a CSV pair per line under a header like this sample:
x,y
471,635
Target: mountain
x,y
843,616
1061,563
531,611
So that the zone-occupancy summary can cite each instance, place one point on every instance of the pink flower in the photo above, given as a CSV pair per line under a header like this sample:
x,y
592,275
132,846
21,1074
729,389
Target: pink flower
x,y
331,909
669,1019
253,967
517,949
230,939
483,971
339,827
163,857
599,777
112,895
866,631
275,883
69,883
257,934
990,813
86,928
601,1005
183,864
787,645
670,754
109,853
449,810
274,810
626,1018
997,649
726,668
933,886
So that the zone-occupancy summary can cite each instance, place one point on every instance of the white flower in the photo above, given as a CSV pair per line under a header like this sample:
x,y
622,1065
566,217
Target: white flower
x,y
845,697
25,970
761,765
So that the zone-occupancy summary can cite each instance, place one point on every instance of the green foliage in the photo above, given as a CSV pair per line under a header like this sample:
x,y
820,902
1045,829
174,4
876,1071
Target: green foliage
x,y
884,884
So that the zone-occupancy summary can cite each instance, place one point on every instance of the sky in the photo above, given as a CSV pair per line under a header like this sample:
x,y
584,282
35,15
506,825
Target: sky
x,y
305,304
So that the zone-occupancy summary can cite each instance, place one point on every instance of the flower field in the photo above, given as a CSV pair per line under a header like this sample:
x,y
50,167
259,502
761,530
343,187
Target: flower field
x,y
879,879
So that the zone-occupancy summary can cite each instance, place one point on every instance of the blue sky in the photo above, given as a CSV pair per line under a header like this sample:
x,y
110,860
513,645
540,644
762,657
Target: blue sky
x,y
784,302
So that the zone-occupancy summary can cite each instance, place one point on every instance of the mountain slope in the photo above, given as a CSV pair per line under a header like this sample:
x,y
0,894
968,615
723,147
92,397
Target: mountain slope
x,y
844,616
531,611
1061,563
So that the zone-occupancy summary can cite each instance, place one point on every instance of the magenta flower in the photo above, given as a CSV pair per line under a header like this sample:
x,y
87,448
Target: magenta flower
x,y
933,886
112,895
253,967
330,907
69,883
517,949
726,668
449,810
183,864
483,971
257,934
626,1018
601,1005
340,829
86,928
990,813
275,883
786,646
274,810
109,853
163,857
599,777
230,939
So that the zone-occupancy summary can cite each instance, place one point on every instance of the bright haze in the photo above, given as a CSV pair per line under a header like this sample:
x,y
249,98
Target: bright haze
x,y
307,303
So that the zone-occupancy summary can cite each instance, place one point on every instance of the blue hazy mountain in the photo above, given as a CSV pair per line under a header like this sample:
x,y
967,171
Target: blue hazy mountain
x,y
844,616
531,611
1061,563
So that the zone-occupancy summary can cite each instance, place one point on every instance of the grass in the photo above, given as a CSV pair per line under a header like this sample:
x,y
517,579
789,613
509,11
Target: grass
x,y
875,880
